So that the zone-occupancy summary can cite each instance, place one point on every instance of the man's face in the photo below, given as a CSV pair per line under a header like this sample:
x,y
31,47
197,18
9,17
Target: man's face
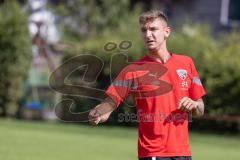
x,y
154,34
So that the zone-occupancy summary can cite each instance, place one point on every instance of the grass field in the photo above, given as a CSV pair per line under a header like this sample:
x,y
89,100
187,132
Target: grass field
x,y
56,141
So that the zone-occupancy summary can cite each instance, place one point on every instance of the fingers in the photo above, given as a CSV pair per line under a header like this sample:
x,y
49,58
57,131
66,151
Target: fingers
x,y
189,107
182,101
187,104
94,117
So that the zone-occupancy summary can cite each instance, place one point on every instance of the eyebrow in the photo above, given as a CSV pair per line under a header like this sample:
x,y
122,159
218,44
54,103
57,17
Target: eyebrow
x,y
145,28
154,27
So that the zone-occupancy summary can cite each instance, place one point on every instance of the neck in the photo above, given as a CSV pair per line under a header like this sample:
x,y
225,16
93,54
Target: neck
x,y
161,54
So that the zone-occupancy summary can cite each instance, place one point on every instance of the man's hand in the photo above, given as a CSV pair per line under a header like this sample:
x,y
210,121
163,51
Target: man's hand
x,y
188,105
101,112
94,116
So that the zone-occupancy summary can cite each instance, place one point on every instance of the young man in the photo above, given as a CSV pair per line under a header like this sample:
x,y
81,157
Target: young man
x,y
166,88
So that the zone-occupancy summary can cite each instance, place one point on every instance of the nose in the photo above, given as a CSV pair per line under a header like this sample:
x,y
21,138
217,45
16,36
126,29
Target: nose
x,y
148,34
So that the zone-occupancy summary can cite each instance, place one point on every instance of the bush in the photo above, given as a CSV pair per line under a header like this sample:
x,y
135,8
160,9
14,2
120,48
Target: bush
x,y
215,57
15,55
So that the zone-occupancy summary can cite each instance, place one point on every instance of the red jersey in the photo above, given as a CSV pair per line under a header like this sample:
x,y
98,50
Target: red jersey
x,y
157,90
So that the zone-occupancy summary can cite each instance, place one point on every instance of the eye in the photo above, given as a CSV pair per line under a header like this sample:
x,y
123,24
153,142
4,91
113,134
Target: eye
x,y
153,28
143,30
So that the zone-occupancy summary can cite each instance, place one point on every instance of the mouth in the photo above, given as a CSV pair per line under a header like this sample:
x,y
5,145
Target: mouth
x,y
150,41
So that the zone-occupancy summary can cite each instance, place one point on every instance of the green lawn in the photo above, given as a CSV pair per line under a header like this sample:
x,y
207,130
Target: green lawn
x,y
55,141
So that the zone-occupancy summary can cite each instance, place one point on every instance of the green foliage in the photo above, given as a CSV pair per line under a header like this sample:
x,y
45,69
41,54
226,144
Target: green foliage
x,y
216,59
15,54
105,21
85,18
101,22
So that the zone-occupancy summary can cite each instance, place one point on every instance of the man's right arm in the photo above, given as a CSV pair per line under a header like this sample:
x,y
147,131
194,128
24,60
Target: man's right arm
x,y
102,111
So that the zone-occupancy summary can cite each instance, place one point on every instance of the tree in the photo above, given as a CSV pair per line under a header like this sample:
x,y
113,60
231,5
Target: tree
x,y
217,63
215,59
87,26
15,55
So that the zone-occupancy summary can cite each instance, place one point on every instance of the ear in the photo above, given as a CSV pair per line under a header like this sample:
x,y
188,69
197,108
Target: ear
x,y
167,31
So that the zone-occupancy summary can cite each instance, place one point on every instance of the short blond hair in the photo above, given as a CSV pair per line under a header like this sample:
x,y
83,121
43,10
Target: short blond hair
x,y
152,15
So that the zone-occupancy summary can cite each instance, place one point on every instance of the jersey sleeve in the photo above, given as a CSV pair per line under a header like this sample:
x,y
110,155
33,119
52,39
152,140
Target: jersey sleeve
x,y
119,89
196,90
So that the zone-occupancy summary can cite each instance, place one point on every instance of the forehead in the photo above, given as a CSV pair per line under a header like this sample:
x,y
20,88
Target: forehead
x,y
154,23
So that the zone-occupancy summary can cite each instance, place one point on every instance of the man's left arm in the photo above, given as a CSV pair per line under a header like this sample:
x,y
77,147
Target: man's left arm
x,y
196,107
194,102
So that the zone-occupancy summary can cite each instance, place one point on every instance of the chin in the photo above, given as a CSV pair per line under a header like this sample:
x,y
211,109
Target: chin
x,y
152,49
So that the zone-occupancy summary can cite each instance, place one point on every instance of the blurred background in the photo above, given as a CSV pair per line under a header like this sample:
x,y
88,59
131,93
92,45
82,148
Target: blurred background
x,y
38,39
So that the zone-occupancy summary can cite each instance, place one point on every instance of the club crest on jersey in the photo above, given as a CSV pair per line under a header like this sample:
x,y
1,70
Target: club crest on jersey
x,y
182,73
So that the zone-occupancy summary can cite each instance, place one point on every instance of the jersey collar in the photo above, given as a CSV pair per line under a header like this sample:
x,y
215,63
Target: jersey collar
x,y
148,58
